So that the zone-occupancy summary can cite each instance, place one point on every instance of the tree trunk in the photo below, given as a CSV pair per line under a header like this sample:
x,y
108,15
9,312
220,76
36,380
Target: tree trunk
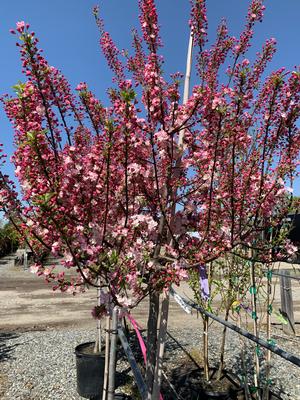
x,y
222,349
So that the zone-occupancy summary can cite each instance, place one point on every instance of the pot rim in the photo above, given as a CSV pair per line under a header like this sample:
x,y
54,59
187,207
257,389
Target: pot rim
x,y
81,346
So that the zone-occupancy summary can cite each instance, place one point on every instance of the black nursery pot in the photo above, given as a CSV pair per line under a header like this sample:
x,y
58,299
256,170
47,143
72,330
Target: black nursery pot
x,y
90,370
228,387
232,392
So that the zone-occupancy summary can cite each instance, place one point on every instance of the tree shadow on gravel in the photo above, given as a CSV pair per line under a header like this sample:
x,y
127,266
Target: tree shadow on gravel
x,y
7,350
184,374
186,379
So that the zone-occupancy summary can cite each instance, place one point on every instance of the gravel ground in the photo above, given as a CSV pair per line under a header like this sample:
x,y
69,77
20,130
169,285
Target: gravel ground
x,y
40,365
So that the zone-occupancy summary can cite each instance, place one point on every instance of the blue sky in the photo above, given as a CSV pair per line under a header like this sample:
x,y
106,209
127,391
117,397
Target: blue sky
x,y
69,37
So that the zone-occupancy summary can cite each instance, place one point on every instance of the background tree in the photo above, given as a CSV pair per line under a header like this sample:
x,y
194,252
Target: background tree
x,y
9,238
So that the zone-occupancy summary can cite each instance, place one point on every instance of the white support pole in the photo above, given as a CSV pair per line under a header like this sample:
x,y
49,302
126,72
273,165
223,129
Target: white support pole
x,y
112,358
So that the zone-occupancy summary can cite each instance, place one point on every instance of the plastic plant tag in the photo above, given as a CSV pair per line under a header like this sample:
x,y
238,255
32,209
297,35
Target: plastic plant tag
x,y
179,300
203,282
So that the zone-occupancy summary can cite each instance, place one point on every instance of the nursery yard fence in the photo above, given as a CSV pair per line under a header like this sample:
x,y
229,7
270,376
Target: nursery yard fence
x,y
286,298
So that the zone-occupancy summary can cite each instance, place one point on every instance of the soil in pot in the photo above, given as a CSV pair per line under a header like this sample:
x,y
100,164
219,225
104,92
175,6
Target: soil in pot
x,y
189,383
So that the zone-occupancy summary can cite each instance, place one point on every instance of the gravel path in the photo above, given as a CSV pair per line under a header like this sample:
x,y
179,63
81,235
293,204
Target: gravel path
x,y
40,365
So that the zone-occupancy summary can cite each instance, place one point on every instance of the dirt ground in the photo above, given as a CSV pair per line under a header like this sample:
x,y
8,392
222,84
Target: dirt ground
x,y
28,303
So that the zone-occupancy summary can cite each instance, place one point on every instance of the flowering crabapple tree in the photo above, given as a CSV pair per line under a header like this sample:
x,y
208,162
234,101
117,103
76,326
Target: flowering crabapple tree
x,y
136,194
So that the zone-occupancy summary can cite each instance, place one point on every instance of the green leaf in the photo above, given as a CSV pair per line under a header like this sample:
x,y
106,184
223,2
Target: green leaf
x,y
19,89
128,96
32,135
281,318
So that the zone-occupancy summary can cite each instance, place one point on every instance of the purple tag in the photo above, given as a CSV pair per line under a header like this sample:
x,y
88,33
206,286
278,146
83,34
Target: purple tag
x,y
204,288
246,308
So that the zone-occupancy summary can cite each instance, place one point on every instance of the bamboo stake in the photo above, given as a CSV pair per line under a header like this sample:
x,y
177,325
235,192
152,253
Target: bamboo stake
x,y
268,360
269,312
227,311
205,319
254,317
205,347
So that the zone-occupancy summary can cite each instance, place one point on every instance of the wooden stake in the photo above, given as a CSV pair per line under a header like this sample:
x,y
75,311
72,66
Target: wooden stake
x,y
254,317
205,347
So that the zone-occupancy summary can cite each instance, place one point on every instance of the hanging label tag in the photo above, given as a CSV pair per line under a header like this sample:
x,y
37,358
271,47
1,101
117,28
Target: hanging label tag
x,y
203,282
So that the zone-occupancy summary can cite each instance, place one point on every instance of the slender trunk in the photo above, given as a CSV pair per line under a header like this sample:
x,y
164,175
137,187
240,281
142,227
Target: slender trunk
x,y
161,345
152,341
223,342
226,317
106,365
205,348
244,367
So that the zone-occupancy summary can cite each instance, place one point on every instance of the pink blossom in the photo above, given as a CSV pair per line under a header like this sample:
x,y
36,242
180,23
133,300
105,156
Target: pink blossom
x,y
20,26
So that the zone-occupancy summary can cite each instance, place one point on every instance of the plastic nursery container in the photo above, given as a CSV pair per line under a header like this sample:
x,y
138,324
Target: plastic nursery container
x,y
90,370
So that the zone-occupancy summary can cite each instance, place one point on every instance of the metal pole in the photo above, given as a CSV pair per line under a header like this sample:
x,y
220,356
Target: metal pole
x,y
106,367
273,347
135,369
112,357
